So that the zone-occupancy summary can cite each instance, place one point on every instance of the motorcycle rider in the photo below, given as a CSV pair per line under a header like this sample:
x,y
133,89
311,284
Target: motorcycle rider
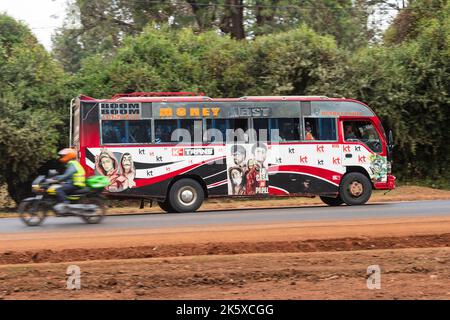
x,y
72,179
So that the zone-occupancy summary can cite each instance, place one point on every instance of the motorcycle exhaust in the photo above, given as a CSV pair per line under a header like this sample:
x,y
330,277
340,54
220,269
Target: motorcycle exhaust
x,y
76,209
82,208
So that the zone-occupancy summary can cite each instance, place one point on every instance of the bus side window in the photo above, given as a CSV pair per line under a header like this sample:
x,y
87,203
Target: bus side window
x,y
126,131
226,130
216,130
320,129
113,131
288,129
278,129
262,129
139,131
175,130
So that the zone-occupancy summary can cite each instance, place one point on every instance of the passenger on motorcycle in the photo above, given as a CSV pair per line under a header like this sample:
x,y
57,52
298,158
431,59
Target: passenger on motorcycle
x,y
72,179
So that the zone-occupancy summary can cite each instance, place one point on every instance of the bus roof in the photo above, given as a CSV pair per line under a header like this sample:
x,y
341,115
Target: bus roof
x,y
190,97
321,105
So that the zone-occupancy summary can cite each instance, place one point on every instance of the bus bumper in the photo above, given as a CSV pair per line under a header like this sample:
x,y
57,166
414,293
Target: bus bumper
x,y
388,185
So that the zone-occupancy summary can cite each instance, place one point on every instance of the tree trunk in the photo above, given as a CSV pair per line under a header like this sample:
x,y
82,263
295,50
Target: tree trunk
x,y
233,20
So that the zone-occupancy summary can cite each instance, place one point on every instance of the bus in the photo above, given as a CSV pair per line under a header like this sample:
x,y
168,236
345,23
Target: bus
x,y
180,148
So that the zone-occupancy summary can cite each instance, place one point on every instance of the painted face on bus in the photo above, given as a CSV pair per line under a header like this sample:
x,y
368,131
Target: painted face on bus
x,y
107,164
127,162
260,154
238,157
251,164
236,177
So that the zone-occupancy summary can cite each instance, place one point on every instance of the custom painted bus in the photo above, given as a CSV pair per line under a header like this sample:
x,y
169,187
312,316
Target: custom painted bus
x,y
179,148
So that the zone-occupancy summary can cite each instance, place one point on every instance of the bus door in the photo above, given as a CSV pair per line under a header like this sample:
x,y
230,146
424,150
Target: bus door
x,y
362,145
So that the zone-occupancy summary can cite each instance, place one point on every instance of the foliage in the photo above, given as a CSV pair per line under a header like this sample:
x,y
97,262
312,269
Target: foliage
x,y
32,96
28,138
169,60
408,86
100,26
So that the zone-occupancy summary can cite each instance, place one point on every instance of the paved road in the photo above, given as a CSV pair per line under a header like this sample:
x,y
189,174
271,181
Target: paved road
x,y
237,217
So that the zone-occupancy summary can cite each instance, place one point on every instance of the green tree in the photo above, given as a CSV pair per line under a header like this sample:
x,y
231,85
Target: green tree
x,y
407,83
32,103
28,139
292,62
163,59
100,26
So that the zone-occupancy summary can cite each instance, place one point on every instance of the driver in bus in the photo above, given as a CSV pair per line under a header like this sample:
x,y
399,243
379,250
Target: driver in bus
x,y
71,180
349,133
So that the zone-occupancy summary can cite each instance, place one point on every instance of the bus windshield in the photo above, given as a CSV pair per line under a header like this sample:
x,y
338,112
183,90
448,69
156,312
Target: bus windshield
x,y
364,131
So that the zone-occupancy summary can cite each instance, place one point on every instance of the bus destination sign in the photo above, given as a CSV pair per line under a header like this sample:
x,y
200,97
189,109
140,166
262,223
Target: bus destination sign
x,y
120,111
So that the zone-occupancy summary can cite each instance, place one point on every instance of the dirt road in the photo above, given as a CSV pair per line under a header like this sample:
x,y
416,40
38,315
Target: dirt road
x,y
293,260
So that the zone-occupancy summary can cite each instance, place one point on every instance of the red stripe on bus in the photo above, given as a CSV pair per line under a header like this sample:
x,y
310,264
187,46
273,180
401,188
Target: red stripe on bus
x,y
319,172
277,191
216,184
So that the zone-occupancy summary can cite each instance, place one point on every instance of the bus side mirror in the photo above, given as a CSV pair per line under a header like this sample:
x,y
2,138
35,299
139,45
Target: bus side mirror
x,y
390,140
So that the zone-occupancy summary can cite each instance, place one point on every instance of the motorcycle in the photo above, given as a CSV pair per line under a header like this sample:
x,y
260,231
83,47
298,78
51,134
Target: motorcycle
x,y
86,203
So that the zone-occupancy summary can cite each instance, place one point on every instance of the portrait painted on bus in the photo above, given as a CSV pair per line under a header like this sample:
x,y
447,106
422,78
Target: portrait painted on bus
x,y
247,169
121,173
259,153
237,169
127,171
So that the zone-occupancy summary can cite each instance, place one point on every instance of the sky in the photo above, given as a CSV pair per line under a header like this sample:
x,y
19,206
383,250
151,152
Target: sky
x,y
42,16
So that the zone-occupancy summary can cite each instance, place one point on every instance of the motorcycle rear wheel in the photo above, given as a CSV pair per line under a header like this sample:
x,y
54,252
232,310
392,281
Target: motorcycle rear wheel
x,y
98,216
32,213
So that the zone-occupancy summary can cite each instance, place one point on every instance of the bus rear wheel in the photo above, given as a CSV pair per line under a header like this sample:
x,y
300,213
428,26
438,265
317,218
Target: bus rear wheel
x,y
333,202
355,189
186,195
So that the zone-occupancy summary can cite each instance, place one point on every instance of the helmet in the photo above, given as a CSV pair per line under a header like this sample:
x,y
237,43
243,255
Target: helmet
x,y
67,154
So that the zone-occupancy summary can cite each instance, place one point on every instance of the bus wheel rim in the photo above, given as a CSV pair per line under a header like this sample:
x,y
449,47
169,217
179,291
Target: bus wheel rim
x,y
187,195
356,188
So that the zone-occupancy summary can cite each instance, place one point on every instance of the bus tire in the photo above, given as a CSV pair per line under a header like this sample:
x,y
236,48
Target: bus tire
x,y
333,202
355,189
165,206
186,195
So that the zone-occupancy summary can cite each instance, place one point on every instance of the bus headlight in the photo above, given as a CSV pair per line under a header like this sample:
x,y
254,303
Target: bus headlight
x,y
389,167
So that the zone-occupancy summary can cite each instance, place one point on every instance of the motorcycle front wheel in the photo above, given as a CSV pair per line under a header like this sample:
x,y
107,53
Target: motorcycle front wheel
x,y
98,215
32,213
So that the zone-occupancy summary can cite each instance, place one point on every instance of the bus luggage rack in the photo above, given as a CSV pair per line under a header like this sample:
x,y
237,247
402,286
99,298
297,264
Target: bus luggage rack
x,y
157,94
283,97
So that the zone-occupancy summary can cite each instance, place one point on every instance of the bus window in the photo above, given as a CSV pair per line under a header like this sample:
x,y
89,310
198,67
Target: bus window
x,y
363,131
278,129
216,129
126,131
320,129
164,129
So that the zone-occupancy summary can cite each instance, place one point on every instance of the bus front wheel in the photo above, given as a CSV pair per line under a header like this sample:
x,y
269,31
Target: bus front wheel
x,y
355,189
333,202
186,195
